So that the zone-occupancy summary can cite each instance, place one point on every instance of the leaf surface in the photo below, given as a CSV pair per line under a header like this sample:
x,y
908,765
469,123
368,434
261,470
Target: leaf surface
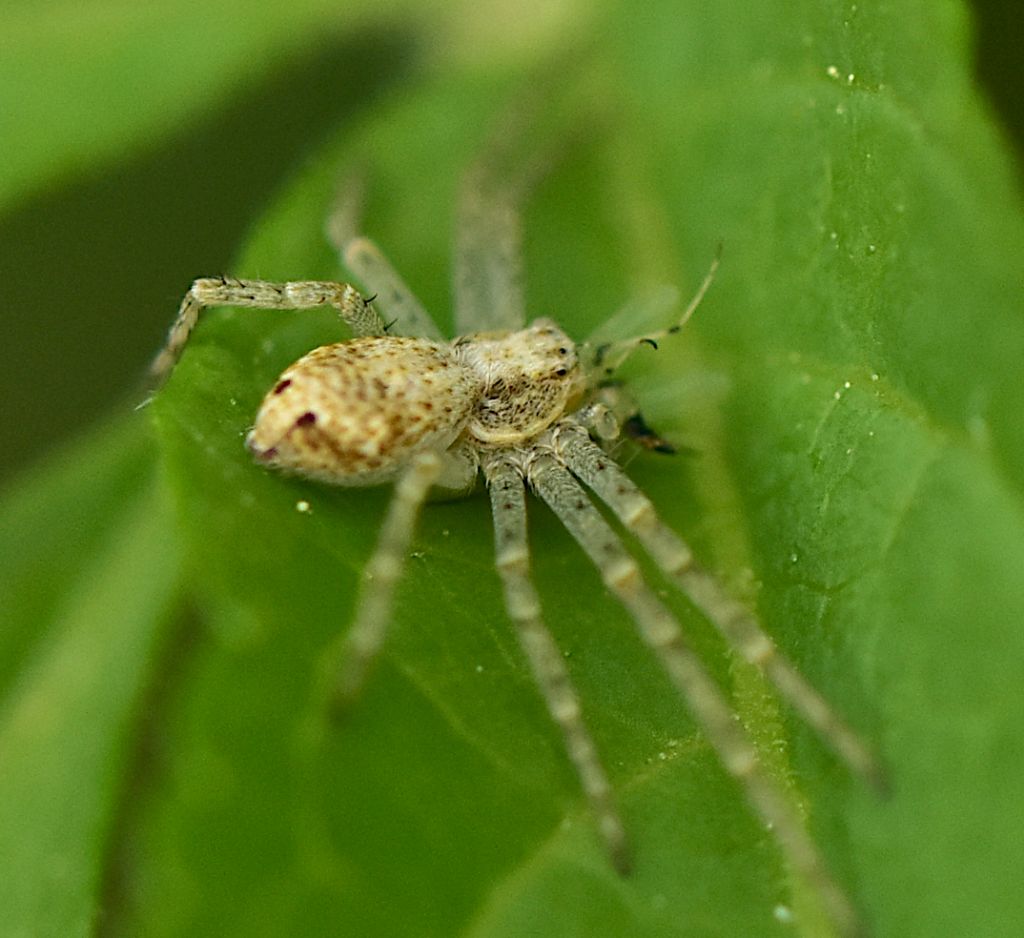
x,y
90,578
850,388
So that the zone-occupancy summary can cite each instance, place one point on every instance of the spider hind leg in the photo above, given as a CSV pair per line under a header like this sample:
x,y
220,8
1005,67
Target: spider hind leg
x,y
348,662
207,292
399,306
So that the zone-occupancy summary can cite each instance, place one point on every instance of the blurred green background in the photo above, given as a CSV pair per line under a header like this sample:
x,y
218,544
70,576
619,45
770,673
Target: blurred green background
x,y
95,256
853,406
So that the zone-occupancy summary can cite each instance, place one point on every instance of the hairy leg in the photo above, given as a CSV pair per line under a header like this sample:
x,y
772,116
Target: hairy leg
x,y
662,632
350,660
513,560
261,294
401,310
636,512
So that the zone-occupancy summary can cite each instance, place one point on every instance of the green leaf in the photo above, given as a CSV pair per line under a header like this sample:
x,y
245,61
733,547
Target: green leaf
x,y
90,570
851,388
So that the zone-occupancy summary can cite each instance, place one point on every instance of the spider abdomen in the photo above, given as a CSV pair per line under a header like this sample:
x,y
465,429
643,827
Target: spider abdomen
x,y
355,412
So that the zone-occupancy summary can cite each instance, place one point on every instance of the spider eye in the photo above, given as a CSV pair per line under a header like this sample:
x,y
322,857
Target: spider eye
x,y
281,385
306,420
561,373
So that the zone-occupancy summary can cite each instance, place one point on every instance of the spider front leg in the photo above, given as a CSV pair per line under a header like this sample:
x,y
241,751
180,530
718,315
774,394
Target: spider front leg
x,y
662,632
739,628
261,294
512,556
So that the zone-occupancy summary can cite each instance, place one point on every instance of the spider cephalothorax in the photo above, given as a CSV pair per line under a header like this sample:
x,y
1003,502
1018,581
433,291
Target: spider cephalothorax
x,y
529,409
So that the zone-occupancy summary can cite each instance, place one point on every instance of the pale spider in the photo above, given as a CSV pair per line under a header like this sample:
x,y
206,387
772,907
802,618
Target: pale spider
x,y
523,405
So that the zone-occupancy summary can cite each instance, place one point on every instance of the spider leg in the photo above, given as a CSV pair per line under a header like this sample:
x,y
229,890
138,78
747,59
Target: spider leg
x,y
606,357
636,512
404,313
488,267
350,660
488,276
662,632
513,560
261,294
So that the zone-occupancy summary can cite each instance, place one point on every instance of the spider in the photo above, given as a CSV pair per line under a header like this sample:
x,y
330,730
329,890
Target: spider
x,y
528,408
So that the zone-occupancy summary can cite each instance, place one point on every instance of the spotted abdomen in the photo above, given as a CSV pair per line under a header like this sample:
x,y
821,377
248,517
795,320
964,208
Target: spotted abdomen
x,y
353,413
